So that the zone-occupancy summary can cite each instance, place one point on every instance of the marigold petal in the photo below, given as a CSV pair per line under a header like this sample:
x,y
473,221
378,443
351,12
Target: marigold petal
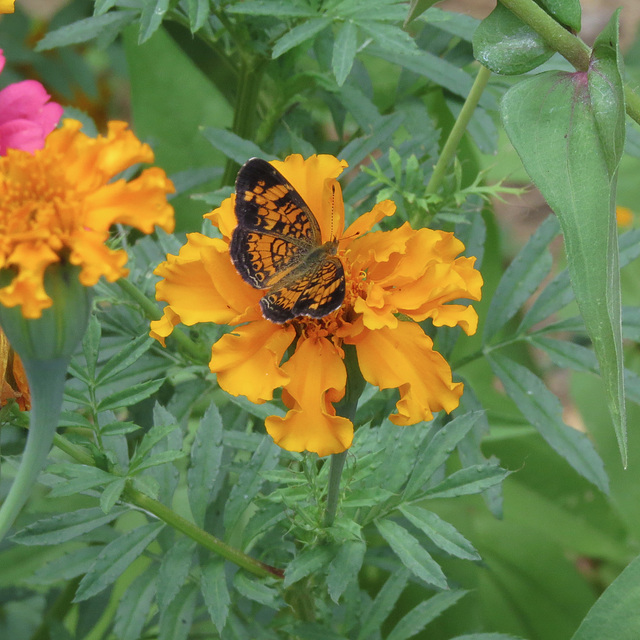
x,y
247,360
317,378
366,221
6,6
403,358
161,329
224,217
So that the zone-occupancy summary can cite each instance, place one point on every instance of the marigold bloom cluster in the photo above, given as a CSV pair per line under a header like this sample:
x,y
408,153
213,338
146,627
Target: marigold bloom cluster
x,y
394,279
26,115
58,204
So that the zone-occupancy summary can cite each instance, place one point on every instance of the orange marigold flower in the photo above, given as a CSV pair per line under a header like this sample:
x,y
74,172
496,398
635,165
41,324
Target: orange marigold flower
x,y
57,204
7,6
624,216
392,279
13,379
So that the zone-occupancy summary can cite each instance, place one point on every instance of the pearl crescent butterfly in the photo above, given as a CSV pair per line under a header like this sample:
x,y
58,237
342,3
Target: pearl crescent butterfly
x,y
277,246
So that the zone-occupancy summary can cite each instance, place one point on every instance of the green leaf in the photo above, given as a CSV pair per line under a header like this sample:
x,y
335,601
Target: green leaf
x,y
616,613
436,453
91,345
544,411
111,494
130,396
157,459
271,8
206,457
115,558
344,568
521,278
174,569
467,481
441,533
411,554
157,433
233,146
424,613
198,11
568,129
381,606
81,477
390,38
249,587
153,12
567,355
308,561
417,8
68,566
508,46
250,480
487,636
177,618
65,526
135,605
344,51
213,583
122,360
86,29
299,34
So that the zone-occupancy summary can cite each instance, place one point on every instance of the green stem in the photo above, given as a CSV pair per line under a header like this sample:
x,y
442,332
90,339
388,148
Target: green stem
x,y
565,43
176,521
194,532
346,409
460,126
152,312
46,381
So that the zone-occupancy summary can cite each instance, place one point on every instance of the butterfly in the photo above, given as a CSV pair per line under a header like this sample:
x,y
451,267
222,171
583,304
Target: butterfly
x,y
277,246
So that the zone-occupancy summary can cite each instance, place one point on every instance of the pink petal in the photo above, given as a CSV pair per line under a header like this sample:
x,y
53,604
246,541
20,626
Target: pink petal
x,y
1,61
21,134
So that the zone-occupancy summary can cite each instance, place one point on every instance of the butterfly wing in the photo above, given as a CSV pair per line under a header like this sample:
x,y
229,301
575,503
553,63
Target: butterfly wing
x,y
276,229
314,293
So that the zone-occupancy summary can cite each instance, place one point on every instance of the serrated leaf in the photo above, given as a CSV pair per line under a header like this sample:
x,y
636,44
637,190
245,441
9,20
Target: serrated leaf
x,y
111,494
198,11
213,584
134,607
91,345
544,411
153,12
441,533
417,8
467,481
344,568
521,278
233,146
68,566
390,38
344,51
381,606
438,451
115,558
307,561
567,355
271,8
249,587
616,613
174,569
250,480
81,477
157,433
157,459
118,428
206,457
124,358
299,34
130,396
177,618
412,555
568,129
84,30
424,613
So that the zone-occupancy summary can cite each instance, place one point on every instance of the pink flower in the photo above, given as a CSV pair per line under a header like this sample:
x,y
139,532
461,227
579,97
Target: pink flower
x,y
26,115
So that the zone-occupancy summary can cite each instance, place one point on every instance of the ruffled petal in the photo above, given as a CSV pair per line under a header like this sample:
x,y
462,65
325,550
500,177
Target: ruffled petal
x,y
247,360
403,358
161,329
317,378
366,221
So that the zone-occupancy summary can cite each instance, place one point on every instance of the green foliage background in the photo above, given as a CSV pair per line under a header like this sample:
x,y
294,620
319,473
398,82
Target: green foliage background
x,y
500,522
